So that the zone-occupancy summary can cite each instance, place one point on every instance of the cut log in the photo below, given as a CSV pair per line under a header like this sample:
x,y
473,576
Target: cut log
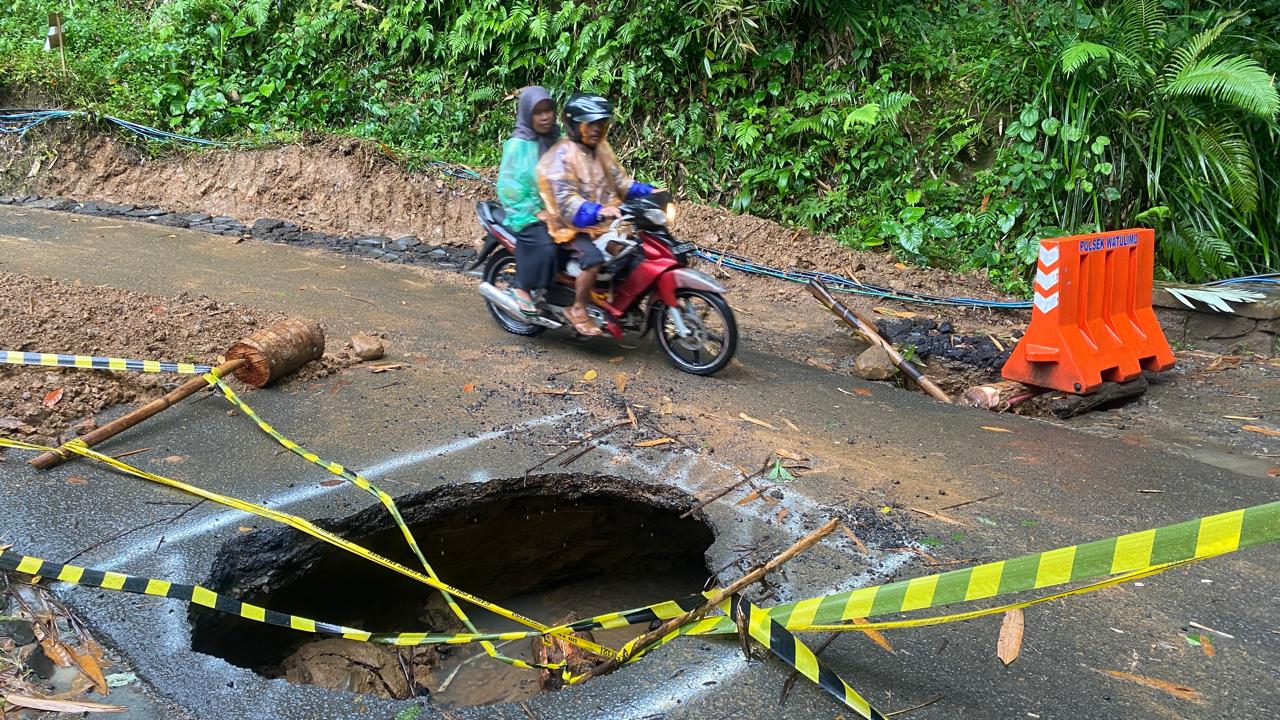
x,y
549,649
999,395
276,351
1072,405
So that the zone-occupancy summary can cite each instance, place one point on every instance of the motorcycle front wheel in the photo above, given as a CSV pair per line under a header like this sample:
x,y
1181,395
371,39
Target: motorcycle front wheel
x,y
500,272
712,337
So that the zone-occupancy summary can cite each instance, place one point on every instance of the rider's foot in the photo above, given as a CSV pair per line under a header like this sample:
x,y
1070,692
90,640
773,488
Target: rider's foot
x,y
582,321
525,301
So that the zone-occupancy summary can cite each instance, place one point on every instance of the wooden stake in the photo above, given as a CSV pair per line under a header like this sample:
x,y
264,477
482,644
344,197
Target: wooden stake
x,y
119,425
653,636
856,322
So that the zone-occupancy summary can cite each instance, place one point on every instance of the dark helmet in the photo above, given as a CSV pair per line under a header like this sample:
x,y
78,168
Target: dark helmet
x,y
587,108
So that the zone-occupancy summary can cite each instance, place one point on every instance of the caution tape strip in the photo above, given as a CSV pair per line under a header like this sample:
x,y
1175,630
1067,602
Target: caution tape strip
x,y
1135,552
199,595
17,357
385,499
321,534
774,636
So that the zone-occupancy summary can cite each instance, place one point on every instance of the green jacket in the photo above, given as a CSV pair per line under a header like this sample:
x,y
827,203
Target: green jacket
x,y
518,184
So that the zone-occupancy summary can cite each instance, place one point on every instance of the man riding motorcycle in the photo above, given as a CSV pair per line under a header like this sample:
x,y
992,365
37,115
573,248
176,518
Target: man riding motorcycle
x,y
582,185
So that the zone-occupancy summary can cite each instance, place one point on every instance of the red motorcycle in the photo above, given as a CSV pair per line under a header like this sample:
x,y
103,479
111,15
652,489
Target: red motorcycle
x,y
646,284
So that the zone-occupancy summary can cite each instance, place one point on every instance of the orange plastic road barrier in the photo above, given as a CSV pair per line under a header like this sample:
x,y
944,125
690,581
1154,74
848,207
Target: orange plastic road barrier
x,y
1091,320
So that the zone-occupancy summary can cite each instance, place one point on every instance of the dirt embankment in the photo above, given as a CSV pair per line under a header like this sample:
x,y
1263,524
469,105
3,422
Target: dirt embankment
x,y
349,187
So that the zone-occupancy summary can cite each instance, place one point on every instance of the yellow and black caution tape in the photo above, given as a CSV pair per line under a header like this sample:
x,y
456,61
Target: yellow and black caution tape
x,y
211,376
1132,553
17,357
198,595
319,533
774,636
359,481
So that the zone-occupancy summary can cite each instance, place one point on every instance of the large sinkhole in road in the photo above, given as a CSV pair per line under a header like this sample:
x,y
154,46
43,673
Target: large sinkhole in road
x,y
543,547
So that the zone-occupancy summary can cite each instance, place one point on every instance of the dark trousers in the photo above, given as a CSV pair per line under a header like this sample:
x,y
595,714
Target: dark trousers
x,y
537,258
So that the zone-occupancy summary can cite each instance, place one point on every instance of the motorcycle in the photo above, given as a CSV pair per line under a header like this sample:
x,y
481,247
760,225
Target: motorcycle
x,y
645,284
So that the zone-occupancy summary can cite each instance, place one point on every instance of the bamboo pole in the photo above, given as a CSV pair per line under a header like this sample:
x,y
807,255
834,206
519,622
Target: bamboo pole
x,y
653,636
119,425
855,321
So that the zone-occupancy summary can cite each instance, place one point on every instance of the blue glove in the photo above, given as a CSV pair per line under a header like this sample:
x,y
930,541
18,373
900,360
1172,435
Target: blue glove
x,y
588,214
638,189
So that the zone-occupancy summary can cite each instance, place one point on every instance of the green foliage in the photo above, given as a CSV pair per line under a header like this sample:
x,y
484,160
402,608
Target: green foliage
x,y
956,134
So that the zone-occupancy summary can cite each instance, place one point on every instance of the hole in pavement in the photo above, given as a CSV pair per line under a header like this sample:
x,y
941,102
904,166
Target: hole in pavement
x,y
543,547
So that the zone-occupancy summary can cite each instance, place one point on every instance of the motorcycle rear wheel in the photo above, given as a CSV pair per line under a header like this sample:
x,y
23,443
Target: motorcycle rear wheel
x,y
713,324
500,272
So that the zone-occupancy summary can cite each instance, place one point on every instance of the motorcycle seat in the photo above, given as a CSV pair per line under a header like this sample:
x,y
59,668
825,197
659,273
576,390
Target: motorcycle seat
x,y
491,211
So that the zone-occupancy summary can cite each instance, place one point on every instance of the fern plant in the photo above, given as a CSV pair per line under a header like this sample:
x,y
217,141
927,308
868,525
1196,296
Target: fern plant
x,y
1194,125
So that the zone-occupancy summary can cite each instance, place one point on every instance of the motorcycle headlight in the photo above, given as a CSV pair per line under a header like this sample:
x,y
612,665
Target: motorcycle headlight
x,y
656,216
671,212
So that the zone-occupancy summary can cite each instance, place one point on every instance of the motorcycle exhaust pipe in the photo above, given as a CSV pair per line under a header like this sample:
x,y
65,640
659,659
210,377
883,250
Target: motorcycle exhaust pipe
x,y
508,305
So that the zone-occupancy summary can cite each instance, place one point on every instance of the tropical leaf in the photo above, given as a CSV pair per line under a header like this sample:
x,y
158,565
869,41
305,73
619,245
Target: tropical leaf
x,y
866,115
1190,51
1144,21
1228,158
1082,53
1214,298
1234,79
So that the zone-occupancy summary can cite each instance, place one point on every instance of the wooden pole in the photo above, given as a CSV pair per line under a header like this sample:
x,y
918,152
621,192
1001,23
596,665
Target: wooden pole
x,y
653,636
860,325
119,425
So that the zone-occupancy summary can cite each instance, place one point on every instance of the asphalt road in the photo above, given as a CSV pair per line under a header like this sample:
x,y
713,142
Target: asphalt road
x,y
885,448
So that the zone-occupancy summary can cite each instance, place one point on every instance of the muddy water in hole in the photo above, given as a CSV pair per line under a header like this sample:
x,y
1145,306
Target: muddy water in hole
x,y
470,677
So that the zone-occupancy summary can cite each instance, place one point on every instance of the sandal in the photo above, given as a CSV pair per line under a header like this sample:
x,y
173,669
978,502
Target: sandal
x,y
582,323
526,307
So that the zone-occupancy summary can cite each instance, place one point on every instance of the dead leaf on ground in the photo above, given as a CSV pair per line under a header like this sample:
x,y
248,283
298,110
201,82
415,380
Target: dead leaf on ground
x,y
52,397
469,387
782,514
77,480
616,359
864,392
589,375
1271,432
61,706
620,381
1207,644
333,482
1274,472
750,498
635,424
88,665
755,421
245,529
875,635
788,455
992,428
654,443
1010,643
174,459
1182,692
994,341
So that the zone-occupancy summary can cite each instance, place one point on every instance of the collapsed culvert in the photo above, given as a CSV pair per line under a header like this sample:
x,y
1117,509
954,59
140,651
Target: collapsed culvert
x,y
543,547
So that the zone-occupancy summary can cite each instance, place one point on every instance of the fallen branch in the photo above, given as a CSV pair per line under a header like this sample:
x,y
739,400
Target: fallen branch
x,y
754,576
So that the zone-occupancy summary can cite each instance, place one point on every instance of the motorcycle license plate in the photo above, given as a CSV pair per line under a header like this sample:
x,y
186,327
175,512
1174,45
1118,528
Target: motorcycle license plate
x,y
682,248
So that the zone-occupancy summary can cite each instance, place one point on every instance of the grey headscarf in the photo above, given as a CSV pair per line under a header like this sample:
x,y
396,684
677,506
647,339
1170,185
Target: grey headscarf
x,y
529,99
